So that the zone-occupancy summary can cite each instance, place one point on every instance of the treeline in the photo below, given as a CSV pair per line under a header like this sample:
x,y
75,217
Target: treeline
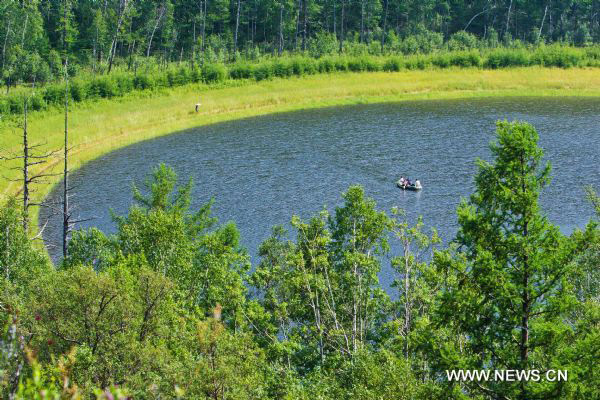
x,y
170,306
121,83
99,36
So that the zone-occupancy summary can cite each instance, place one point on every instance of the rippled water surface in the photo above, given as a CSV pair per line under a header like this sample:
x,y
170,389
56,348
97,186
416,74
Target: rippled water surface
x,y
263,170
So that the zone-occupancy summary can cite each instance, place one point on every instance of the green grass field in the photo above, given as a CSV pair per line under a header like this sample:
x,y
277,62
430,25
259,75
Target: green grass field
x,y
98,127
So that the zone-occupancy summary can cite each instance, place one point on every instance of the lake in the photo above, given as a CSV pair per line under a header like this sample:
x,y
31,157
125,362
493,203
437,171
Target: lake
x,y
263,170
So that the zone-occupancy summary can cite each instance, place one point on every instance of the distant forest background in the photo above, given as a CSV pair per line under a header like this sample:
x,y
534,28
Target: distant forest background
x,y
101,35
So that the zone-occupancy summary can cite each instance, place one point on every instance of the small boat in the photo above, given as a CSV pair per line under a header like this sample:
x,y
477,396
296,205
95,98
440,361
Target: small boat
x,y
408,187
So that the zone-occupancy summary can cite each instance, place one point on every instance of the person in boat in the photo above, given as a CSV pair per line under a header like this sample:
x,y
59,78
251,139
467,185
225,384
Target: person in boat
x,y
407,182
418,184
401,181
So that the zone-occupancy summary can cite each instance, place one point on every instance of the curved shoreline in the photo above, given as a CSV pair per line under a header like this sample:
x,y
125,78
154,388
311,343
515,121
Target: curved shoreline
x,y
100,127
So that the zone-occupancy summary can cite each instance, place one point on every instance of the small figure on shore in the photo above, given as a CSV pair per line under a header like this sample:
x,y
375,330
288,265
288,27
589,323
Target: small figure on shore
x,y
197,107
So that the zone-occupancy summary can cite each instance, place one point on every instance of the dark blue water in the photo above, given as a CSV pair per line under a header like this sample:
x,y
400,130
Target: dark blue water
x,y
263,170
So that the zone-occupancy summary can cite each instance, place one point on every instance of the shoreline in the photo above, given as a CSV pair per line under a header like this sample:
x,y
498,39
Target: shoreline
x,y
100,127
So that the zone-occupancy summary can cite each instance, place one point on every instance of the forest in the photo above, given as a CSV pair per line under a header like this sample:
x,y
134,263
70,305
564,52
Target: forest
x,y
170,306
100,36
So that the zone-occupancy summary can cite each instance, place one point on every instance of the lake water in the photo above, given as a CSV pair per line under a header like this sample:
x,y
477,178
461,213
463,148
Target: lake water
x,y
263,170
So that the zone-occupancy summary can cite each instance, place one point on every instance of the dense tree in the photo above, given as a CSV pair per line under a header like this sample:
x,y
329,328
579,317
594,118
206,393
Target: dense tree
x,y
167,306
105,33
20,262
512,292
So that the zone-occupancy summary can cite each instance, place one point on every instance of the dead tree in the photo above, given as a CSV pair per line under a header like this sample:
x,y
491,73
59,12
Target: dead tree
x,y
66,212
31,168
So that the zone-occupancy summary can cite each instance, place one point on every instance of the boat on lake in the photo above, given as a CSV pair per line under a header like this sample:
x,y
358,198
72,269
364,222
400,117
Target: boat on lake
x,y
413,186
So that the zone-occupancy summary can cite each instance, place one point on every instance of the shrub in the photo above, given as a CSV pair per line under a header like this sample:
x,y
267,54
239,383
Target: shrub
x,y
240,71
557,56
4,108
393,64
593,53
326,65
195,75
263,71
15,104
298,66
282,69
409,45
501,58
123,84
183,77
465,59
324,43
462,40
77,90
102,87
355,49
37,103
341,64
310,66
356,65
441,60
170,78
427,40
142,82
213,73
417,62
161,80
54,94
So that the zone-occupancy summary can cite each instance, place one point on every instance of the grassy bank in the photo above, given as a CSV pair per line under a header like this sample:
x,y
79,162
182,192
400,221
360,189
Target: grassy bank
x,y
101,126
92,86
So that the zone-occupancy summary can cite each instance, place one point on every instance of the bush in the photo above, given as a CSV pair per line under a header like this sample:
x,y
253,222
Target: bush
x,y
324,43
417,62
593,53
356,65
195,75
102,87
409,45
142,82
263,71
341,64
310,66
462,40
557,56
240,71
123,84
282,69
16,104
465,59
502,58
54,94
441,60
171,78
77,91
4,108
37,103
359,64
212,73
326,65
183,77
393,64
298,66
428,41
